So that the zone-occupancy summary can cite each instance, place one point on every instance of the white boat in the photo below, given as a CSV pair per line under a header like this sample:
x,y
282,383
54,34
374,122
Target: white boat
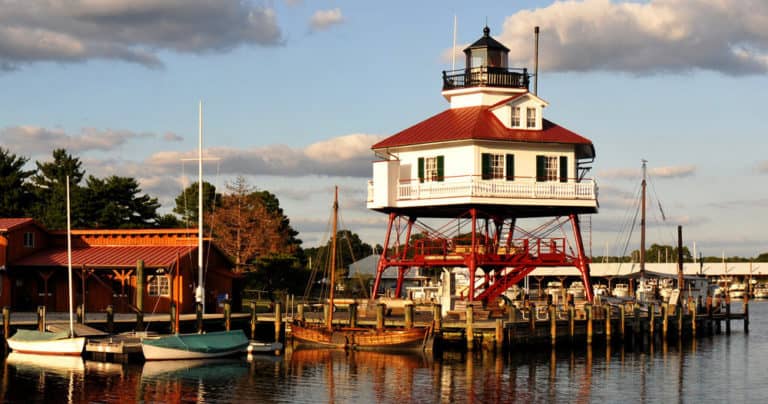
x,y
620,290
761,291
576,289
737,290
47,363
51,343
255,347
555,289
196,346
600,290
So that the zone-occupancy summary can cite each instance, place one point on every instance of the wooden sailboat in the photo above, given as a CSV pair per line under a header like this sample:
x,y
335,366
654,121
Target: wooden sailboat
x,y
52,343
328,336
196,346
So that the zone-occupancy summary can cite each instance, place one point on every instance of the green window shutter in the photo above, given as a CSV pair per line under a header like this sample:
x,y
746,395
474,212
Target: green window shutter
x,y
510,167
421,169
440,167
563,169
486,160
541,174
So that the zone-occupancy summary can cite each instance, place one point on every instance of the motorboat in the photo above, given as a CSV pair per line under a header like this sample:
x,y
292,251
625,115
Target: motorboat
x,y
737,290
620,290
761,291
576,289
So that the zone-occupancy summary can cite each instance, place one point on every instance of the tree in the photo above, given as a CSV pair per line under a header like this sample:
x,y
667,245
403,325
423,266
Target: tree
x,y
286,234
278,274
114,202
15,191
187,202
50,190
349,248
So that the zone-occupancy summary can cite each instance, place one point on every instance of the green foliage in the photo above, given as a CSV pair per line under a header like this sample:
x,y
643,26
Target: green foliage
x,y
114,203
349,248
15,191
278,273
49,188
187,202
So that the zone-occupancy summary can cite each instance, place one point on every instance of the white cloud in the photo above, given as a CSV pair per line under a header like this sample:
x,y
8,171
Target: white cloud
x,y
34,140
727,36
128,30
324,19
762,167
658,172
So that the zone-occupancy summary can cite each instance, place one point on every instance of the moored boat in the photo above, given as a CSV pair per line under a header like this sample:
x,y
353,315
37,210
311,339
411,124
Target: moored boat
x,y
620,290
737,290
576,289
761,291
194,346
46,343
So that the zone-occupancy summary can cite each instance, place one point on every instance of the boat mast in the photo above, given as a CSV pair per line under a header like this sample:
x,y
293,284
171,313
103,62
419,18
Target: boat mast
x,y
200,287
333,256
69,264
642,233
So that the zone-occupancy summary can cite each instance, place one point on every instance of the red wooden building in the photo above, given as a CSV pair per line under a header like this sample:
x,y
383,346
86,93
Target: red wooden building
x,y
33,268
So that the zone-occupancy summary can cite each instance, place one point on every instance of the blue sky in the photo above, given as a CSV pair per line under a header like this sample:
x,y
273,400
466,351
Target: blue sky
x,y
295,92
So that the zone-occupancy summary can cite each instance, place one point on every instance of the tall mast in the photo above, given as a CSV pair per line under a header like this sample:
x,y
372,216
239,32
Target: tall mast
x,y
200,285
642,233
69,264
333,255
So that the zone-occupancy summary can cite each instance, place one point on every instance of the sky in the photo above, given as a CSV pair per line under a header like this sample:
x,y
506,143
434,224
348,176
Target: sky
x,y
295,92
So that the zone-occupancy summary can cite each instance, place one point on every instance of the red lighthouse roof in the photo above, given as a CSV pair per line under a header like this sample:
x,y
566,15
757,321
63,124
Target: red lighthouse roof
x,y
479,123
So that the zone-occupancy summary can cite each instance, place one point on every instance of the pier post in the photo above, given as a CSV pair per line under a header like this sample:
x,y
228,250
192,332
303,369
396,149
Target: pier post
x,y
327,314
139,294
664,320
380,309
652,320
622,321
353,315
6,322
110,319
636,321
437,317
588,310
278,320
227,315
409,316
172,311
679,320
41,318
693,321
252,306
532,318
727,314
746,315
300,313
572,323
470,330
80,314
608,331
499,334
553,324
199,316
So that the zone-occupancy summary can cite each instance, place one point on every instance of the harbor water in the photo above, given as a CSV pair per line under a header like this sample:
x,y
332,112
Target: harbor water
x,y
709,369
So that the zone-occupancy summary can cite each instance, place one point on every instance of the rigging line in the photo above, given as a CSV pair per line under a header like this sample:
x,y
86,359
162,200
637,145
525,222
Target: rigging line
x,y
632,223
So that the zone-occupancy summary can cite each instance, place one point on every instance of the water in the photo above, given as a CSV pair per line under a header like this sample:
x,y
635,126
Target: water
x,y
718,369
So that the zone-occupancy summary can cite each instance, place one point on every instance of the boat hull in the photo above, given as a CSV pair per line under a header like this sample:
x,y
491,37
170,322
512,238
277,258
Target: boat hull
x,y
154,353
360,338
64,346
318,337
194,346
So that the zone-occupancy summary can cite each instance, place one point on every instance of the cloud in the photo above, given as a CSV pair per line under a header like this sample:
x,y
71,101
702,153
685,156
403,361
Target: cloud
x,y
34,140
172,137
128,30
325,19
658,172
726,36
762,167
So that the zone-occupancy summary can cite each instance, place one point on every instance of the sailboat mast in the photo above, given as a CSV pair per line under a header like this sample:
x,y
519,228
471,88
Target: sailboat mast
x,y
69,264
201,289
333,255
642,231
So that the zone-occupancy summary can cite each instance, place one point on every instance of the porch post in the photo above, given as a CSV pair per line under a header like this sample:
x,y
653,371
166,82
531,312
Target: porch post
x,y
472,267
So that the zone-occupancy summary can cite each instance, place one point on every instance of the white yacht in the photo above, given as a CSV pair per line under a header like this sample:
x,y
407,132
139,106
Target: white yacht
x,y
737,290
576,289
761,291
620,290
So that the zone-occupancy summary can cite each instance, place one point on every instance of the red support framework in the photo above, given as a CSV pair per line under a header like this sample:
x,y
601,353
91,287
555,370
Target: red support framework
x,y
489,245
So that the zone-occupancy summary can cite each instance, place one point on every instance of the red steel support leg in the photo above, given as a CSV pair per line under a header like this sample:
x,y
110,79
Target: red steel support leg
x,y
583,262
383,262
473,256
403,256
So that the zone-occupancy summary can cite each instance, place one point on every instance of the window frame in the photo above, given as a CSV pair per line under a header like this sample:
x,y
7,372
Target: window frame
x,y
157,284
530,117
29,239
515,116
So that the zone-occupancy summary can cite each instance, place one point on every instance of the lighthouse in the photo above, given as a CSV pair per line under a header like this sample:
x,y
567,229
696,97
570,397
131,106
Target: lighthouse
x,y
459,186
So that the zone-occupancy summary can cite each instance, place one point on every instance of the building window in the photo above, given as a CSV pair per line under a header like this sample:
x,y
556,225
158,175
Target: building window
x,y
546,168
431,168
530,117
498,166
158,285
29,240
515,123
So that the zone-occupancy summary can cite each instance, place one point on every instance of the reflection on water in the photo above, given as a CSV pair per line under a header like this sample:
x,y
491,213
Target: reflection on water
x,y
719,368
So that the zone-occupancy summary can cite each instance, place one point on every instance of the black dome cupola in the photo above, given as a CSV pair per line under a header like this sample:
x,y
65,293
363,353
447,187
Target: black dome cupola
x,y
486,52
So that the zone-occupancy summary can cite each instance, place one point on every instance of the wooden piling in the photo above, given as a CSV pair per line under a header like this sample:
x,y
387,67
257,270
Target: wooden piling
x,y
693,322
636,321
552,324
6,322
572,323
227,315
409,315
278,320
140,288
199,316
327,314
588,310
437,317
41,318
622,322
470,329
652,320
727,314
79,314
679,321
381,308
353,315
607,311
499,334
252,306
746,315
532,318
172,312
664,320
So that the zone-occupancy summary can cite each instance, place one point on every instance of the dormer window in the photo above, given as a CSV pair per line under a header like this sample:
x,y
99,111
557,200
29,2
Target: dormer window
x,y
29,239
530,115
515,123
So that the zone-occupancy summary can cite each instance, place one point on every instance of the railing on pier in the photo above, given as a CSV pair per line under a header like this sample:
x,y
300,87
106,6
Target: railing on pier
x,y
485,76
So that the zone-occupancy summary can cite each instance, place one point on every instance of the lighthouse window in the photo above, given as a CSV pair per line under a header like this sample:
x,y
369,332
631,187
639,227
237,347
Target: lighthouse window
x,y
158,285
431,168
546,168
515,117
531,117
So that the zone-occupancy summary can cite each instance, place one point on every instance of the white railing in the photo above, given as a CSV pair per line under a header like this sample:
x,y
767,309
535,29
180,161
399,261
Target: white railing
x,y
474,187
